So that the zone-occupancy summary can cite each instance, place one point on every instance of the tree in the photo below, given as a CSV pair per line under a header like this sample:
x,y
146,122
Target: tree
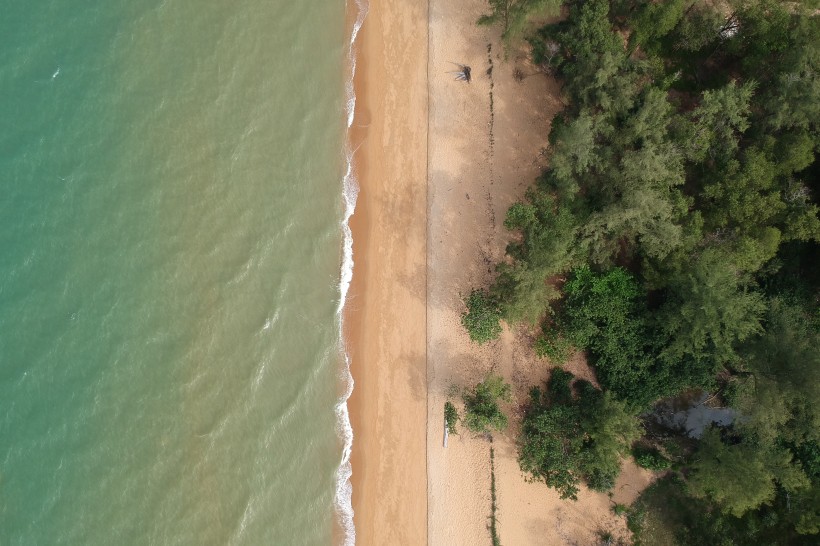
x,y
610,429
791,96
481,410
594,56
745,197
574,146
781,375
565,439
655,20
548,227
708,310
723,114
605,314
699,28
550,448
513,15
523,292
741,477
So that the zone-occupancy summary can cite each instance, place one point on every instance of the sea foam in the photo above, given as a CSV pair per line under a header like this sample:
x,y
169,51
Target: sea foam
x,y
350,192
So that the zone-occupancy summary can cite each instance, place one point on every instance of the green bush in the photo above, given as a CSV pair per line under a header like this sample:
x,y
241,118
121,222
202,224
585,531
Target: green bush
x,y
620,509
481,411
553,346
601,481
450,417
651,459
482,317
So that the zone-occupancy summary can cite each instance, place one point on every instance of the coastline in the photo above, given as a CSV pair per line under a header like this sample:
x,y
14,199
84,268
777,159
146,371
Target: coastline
x,y
385,312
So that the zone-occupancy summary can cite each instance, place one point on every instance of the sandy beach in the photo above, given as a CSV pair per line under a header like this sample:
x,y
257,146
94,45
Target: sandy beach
x,y
386,313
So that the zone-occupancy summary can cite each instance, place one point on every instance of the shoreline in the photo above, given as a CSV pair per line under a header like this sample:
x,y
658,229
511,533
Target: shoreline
x,y
384,319
344,531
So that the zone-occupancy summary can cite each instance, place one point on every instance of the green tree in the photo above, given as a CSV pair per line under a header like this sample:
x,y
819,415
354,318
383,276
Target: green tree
x,y
513,15
566,439
699,28
594,57
654,20
610,430
606,315
546,248
746,197
717,123
791,94
548,227
708,310
523,292
481,409
574,146
741,477
780,371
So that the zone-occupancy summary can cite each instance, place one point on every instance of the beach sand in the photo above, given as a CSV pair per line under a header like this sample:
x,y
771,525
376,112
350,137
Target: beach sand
x,y
385,317
483,153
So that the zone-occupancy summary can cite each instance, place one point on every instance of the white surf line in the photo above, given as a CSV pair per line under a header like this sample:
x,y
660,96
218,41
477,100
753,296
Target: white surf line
x,y
350,192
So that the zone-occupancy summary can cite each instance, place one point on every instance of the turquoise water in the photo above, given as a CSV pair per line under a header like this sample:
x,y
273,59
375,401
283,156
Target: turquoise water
x,y
170,247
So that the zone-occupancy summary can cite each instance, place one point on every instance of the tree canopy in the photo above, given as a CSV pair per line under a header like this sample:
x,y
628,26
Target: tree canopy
x,y
673,239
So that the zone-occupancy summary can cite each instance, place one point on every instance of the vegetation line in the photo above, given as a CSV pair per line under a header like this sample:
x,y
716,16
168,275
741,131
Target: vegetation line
x,y
672,241
493,504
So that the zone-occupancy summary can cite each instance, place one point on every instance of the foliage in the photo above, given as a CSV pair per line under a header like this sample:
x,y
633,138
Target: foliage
x,y
620,509
665,514
482,317
513,15
650,458
741,477
566,439
553,346
708,310
450,417
680,207
481,410
494,505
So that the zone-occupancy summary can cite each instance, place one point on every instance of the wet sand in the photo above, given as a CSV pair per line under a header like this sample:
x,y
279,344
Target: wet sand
x,y
386,311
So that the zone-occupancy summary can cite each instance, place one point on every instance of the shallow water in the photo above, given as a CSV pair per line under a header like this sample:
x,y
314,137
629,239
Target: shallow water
x,y
169,270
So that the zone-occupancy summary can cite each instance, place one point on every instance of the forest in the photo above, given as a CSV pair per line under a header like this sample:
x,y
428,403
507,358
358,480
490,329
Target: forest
x,y
674,240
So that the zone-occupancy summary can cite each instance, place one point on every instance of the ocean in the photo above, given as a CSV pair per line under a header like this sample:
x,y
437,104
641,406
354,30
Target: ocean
x,y
174,258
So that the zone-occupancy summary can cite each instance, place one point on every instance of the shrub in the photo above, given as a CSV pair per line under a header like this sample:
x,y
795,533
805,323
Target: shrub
x,y
601,481
651,459
481,411
482,317
553,346
450,417
620,509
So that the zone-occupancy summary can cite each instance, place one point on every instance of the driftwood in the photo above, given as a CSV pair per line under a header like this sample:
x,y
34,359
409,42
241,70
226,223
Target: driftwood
x,y
463,72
